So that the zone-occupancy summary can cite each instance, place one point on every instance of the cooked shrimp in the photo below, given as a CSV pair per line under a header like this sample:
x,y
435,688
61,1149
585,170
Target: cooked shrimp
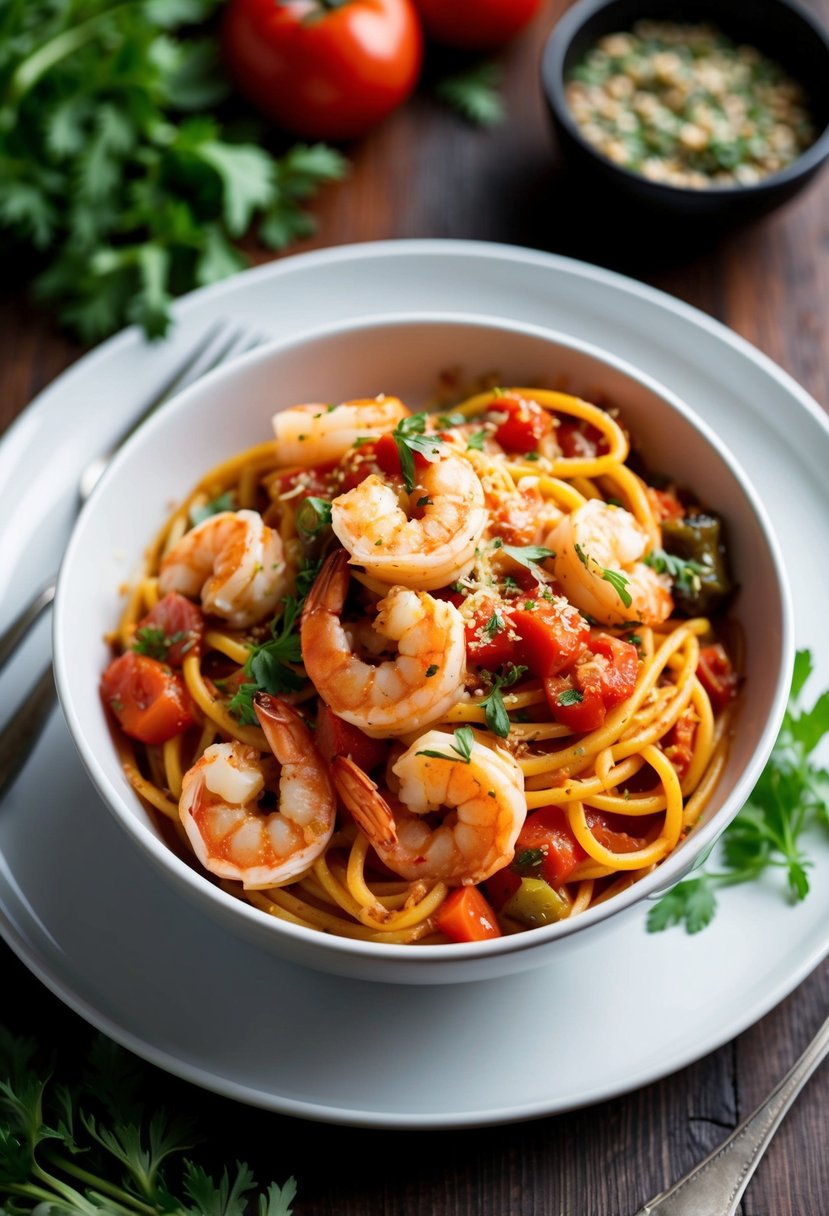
x,y
598,563
315,433
384,698
482,802
234,561
230,835
424,551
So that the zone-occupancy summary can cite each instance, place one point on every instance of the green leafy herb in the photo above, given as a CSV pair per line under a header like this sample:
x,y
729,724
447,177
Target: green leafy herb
x,y
494,625
267,666
528,555
224,502
529,859
686,574
306,577
616,579
493,706
476,441
432,670
410,436
570,696
313,515
94,1146
474,93
447,421
790,797
155,643
464,739
112,171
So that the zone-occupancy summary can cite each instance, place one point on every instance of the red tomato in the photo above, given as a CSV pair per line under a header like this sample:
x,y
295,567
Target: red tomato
x,y
149,700
717,675
324,71
465,916
171,630
679,745
490,637
525,424
475,25
501,886
612,838
604,676
665,504
580,439
314,482
553,635
336,737
547,831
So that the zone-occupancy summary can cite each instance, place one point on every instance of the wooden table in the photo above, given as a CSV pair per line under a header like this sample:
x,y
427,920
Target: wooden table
x,y
426,173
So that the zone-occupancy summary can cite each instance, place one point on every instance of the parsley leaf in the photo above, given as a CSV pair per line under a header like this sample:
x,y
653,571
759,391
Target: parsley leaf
x,y
111,171
464,739
474,93
224,502
528,555
313,515
617,580
410,436
267,666
685,574
151,640
791,795
497,718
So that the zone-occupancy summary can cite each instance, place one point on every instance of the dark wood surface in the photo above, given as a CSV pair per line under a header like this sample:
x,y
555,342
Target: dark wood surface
x,y
427,173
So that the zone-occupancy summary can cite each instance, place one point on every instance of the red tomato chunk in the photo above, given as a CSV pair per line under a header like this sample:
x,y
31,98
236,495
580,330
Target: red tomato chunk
x,y
717,675
547,832
526,423
171,630
603,677
336,737
149,700
466,916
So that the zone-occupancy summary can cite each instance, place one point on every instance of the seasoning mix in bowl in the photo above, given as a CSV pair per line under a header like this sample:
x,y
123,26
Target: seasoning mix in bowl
x,y
715,111
686,104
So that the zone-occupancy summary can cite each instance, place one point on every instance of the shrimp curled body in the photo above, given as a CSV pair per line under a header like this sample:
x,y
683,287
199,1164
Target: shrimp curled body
x,y
314,433
230,835
233,561
598,550
423,551
482,802
385,698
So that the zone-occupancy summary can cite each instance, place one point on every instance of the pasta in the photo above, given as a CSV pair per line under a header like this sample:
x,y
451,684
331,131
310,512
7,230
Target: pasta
x,y
429,677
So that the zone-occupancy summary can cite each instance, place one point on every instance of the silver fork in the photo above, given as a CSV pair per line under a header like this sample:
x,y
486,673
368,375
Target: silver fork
x,y
221,342
716,1185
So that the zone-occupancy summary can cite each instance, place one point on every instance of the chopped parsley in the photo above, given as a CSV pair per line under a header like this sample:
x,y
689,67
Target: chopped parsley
x,y
224,502
464,739
313,515
685,574
528,555
570,696
410,436
476,441
268,665
152,641
617,580
493,706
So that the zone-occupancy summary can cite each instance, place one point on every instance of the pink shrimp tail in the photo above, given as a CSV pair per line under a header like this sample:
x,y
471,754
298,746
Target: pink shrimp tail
x,y
371,812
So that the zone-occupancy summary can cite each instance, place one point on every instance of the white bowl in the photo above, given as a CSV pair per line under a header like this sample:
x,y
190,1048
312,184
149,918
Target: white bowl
x,y
403,355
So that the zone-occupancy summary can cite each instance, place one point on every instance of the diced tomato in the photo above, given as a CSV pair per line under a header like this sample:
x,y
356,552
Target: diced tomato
x,y
491,637
613,838
552,634
604,676
149,700
336,737
387,455
526,423
171,630
546,831
578,438
679,742
309,483
717,675
466,916
665,504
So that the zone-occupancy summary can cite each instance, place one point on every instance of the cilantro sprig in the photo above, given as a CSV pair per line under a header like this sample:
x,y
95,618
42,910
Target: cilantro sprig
x,y
410,436
268,665
790,797
495,712
97,1146
117,173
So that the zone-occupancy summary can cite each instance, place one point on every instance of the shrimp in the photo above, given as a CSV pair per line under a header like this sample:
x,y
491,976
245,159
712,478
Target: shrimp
x,y
219,810
416,688
314,433
234,561
598,550
428,551
482,802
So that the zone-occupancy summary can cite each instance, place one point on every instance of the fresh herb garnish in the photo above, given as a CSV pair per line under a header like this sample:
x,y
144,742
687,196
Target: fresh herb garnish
x,y
497,718
223,502
528,555
570,696
685,574
790,797
313,515
116,177
617,580
267,666
410,436
152,641
96,1146
447,421
476,442
464,739
495,624
474,93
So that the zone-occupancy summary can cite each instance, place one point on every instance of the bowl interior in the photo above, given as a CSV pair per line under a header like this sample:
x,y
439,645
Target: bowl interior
x,y
232,408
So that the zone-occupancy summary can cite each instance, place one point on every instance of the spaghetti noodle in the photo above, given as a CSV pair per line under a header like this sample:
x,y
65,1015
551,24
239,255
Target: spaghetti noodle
x,y
390,658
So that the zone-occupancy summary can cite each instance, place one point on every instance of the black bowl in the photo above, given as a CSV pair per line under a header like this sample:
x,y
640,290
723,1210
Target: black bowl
x,y
780,29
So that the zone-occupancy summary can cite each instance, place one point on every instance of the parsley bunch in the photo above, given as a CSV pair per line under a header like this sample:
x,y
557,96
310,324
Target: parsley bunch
x,y
91,1146
115,171
268,666
791,796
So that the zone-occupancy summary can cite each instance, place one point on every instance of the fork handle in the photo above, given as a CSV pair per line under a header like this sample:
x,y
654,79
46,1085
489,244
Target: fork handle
x,y
22,623
24,728
716,1185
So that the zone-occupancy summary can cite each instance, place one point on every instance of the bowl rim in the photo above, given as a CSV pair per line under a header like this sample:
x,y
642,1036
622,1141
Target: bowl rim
x,y
553,55
201,889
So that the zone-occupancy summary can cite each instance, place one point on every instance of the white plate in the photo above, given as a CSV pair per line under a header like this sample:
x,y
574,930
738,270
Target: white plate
x,y
102,931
